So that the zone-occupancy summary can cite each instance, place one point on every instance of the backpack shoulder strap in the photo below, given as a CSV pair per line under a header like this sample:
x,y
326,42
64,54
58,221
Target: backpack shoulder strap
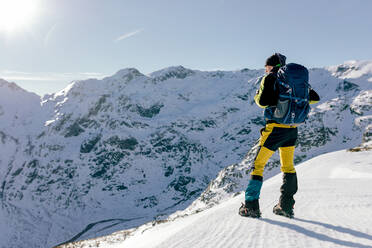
x,y
284,84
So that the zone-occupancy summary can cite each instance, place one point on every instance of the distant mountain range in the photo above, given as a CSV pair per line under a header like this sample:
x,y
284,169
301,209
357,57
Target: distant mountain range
x,y
111,154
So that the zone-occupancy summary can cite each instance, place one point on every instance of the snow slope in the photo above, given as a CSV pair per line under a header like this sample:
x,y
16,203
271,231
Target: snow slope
x,y
333,209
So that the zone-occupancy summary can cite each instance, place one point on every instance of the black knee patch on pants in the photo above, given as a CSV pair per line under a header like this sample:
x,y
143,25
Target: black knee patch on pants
x,y
288,189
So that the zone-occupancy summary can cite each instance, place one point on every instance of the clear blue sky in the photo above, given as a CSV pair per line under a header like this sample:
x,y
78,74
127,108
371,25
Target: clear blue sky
x,y
75,39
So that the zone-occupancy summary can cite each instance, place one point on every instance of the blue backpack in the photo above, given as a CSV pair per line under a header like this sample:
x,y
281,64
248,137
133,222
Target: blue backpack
x,y
293,103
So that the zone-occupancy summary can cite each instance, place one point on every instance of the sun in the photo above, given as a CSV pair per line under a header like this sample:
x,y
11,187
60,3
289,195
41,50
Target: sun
x,y
17,14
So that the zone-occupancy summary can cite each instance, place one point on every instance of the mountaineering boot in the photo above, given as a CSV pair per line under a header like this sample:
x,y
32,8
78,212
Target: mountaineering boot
x,y
286,201
286,213
250,209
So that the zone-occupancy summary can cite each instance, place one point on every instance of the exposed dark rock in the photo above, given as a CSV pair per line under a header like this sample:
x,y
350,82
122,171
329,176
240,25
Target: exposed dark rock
x,y
346,86
179,72
99,106
149,112
74,130
180,183
148,202
88,145
124,144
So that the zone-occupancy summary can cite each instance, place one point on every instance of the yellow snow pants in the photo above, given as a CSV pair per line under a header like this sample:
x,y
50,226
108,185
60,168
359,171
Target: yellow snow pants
x,y
275,136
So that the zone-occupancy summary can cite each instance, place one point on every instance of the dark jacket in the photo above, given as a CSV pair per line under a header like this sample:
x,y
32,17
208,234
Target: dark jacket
x,y
268,96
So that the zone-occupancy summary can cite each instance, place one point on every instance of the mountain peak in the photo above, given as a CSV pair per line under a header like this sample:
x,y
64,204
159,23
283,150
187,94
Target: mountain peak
x,y
352,69
10,85
127,73
179,72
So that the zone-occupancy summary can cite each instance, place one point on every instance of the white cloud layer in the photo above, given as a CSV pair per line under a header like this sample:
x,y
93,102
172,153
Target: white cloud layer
x,y
48,76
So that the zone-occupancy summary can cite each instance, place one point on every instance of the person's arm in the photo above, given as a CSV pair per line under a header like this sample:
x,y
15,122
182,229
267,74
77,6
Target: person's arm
x,y
314,97
266,95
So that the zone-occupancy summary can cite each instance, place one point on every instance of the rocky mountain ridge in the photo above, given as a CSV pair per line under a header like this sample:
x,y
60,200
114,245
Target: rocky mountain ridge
x,y
132,147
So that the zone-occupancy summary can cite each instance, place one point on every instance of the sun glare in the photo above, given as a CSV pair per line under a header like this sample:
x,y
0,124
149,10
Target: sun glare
x,y
16,14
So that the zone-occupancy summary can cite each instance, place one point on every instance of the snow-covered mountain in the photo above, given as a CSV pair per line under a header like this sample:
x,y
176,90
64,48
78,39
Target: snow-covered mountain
x,y
332,209
111,154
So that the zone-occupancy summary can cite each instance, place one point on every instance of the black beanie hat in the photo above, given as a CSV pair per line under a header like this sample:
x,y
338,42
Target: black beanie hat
x,y
276,59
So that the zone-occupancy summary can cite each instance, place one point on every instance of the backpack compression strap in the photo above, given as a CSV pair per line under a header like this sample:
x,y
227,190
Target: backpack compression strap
x,y
297,99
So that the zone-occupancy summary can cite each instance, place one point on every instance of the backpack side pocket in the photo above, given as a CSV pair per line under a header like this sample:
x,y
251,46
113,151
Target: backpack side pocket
x,y
281,108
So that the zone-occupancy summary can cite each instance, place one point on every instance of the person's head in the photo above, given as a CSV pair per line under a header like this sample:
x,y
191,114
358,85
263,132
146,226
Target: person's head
x,y
268,68
275,60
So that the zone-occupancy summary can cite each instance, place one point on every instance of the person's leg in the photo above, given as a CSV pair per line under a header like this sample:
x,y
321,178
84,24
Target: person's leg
x,y
289,186
265,150
251,207
288,190
260,161
263,155
286,159
252,193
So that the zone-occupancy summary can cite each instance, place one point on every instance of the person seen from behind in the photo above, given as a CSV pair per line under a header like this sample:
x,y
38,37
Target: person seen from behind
x,y
285,95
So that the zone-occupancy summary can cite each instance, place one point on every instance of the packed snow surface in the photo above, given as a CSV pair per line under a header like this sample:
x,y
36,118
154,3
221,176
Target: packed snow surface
x,y
333,209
